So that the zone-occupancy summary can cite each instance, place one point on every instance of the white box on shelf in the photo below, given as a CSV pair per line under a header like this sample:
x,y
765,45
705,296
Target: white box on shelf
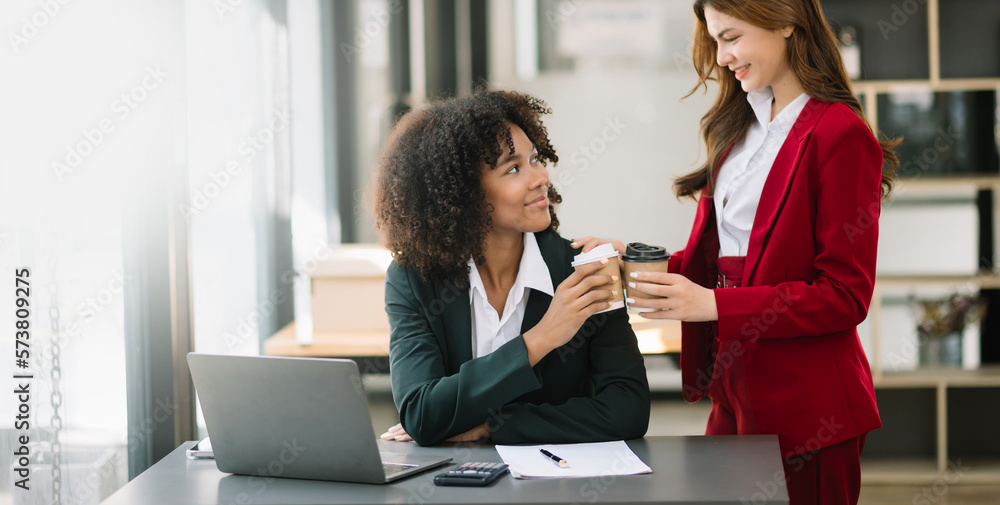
x,y
899,347
939,238
348,288
867,337
970,346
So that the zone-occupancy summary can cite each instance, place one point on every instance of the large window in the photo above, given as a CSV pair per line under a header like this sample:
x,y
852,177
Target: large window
x,y
85,113
103,101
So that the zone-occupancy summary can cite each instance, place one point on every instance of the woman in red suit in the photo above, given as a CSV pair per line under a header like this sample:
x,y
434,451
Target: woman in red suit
x,y
779,268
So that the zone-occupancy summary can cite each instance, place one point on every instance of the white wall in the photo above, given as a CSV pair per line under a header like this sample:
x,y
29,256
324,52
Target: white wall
x,y
616,181
618,124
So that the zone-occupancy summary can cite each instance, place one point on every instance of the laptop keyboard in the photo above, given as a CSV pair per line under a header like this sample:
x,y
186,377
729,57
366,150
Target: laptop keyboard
x,y
392,468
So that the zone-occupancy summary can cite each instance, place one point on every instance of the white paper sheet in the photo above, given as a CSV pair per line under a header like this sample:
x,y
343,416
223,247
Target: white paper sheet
x,y
585,460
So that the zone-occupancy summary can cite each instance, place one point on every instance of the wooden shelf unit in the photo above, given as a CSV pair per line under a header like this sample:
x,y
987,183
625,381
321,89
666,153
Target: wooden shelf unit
x,y
917,402
329,344
874,87
984,376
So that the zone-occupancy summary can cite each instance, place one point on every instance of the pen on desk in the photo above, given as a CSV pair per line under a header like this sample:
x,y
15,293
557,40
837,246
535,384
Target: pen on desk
x,y
555,459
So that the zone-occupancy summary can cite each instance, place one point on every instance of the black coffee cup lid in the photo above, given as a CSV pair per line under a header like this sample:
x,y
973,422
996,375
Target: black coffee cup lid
x,y
637,251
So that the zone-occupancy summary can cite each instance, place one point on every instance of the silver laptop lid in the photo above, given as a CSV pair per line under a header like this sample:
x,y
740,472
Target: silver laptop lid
x,y
302,418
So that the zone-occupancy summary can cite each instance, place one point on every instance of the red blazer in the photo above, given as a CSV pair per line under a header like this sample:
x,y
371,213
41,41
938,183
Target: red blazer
x,y
808,281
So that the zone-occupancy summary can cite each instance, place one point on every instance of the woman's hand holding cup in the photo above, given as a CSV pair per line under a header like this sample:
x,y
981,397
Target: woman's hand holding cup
x,y
575,300
676,297
655,293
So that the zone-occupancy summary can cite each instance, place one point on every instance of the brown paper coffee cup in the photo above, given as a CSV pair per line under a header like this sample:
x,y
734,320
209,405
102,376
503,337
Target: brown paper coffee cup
x,y
605,251
640,257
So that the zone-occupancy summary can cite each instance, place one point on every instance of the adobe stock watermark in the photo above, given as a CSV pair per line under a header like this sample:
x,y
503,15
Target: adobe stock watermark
x,y
767,489
363,35
594,487
219,180
438,305
149,424
94,304
33,24
224,7
803,453
912,169
497,418
247,327
865,218
795,461
784,300
426,490
121,108
590,151
902,358
266,474
562,11
731,350
85,490
920,163
932,494
683,61
583,335
900,15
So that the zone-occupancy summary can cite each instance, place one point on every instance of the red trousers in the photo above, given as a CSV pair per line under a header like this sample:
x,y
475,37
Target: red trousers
x,y
830,475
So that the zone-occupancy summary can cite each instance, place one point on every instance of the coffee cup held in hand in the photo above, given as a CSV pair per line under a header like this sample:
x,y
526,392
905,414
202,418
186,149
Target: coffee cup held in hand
x,y
640,257
604,251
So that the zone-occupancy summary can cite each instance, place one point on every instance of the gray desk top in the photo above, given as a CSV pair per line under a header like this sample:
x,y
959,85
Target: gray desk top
x,y
703,470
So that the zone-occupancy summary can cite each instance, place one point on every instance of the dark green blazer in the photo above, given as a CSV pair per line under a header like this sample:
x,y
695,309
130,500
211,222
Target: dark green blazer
x,y
594,388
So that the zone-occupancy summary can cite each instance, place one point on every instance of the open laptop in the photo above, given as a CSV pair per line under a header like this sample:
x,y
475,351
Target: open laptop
x,y
301,418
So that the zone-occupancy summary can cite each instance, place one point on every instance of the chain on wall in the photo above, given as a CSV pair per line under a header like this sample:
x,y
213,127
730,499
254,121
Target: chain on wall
x,y
56,375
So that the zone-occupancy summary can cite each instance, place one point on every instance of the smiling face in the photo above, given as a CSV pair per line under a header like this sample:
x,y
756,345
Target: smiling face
x,y
517,188
755,55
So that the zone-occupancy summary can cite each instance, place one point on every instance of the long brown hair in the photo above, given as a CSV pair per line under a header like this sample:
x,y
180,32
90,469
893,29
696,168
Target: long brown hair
x,y
813,56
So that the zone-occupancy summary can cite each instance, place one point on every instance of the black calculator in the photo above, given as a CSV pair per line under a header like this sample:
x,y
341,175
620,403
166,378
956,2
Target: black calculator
x,y
471,474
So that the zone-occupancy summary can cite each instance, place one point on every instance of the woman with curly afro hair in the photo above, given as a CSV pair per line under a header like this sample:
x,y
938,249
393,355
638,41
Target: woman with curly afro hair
x,y
493,333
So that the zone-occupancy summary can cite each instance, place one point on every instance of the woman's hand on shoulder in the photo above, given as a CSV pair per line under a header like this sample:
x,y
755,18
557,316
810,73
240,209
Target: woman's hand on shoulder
x,y
585,244
575,300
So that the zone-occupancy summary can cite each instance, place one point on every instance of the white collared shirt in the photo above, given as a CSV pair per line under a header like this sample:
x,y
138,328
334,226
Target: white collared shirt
x,y
741,177
491,330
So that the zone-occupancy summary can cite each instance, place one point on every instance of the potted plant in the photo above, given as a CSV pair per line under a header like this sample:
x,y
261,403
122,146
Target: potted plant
x,y
941,324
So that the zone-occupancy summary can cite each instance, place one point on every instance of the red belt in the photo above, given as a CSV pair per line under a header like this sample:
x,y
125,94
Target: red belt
x,y
730,271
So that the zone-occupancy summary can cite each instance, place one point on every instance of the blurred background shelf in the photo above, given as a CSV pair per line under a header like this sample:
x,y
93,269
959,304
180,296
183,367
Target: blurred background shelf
x,y
938,231
985,376
987,280
890,86
939,182
898,470
329,344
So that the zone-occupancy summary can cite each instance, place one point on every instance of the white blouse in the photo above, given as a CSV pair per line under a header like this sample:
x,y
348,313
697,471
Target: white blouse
x,y
742,176
491,330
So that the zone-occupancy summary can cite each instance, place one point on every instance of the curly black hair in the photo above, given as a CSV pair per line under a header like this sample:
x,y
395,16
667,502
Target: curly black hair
x,y
429,203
